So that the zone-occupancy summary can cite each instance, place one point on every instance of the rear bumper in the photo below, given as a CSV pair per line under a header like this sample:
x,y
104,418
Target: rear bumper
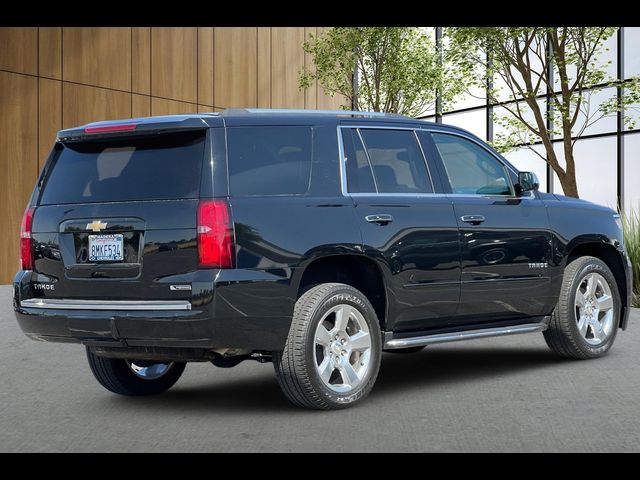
x,y
624,320
240,311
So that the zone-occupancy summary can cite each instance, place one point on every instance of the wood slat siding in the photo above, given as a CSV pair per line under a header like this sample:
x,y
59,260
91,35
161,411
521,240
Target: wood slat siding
x,y
55,77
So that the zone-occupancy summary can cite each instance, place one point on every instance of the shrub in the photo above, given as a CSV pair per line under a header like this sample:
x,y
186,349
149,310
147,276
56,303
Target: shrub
x,y
631,229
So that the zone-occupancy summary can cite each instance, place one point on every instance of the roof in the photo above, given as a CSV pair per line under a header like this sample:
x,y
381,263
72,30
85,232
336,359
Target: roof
x,y
242,116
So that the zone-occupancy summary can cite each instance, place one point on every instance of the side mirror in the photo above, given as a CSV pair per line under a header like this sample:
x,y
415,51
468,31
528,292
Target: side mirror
x,y
527,182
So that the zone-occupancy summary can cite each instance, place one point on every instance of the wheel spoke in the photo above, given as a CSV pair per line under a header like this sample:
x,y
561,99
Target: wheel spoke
x,y
323,337
360,341
580,299
598,331
591,285
349,375
325,369
605,302
342,318
582,325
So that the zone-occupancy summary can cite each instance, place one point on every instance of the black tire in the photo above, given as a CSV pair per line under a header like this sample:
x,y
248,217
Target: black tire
x,y
407,350
115,375
563,336
295,368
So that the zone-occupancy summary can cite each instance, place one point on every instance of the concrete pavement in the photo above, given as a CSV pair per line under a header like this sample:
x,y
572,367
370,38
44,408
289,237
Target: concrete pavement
x,y
502,394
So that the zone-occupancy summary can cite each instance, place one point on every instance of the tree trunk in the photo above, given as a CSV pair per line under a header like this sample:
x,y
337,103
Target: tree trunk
x,y
569,185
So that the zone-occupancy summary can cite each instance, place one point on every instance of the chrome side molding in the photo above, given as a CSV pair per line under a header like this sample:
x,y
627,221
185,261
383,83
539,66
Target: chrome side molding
x,y
464,335
73,304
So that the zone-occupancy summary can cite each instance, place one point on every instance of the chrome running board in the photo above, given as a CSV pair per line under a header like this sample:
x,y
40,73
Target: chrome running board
x,y
465,335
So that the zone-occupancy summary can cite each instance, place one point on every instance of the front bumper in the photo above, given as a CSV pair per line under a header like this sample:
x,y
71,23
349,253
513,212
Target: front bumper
x,y
628,270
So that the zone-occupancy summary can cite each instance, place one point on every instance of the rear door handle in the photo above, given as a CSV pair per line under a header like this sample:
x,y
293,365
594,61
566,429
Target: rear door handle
x,y
380,218
472,219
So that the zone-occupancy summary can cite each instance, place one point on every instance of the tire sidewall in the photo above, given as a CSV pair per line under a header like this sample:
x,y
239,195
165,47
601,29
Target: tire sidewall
x,y
343,296
599,267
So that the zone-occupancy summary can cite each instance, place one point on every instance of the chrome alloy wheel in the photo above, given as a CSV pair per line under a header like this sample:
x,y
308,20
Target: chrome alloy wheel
x,y
594,309
148,370
342,349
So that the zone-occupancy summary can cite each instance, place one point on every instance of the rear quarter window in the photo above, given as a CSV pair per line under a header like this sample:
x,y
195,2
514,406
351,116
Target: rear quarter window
x,y
269,160
158,167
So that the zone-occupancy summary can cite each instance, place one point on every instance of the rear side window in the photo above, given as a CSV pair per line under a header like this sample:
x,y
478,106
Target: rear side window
x,y
397,161
359,174
269,160
158,167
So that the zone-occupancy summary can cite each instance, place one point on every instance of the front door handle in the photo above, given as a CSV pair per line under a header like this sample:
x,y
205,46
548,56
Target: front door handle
x,y
379,219
472,219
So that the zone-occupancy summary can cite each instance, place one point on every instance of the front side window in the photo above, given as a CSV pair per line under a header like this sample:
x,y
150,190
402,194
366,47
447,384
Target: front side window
x,y
470,168
269,160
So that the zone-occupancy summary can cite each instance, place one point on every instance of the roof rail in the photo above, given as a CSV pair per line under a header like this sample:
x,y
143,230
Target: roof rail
x,y
310,112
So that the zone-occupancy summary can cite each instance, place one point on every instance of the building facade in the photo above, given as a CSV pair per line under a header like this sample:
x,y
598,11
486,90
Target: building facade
x,y
607,155
54,78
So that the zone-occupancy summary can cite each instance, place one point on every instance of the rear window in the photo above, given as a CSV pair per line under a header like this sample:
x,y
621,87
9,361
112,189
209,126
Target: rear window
x,y
160,167
269,160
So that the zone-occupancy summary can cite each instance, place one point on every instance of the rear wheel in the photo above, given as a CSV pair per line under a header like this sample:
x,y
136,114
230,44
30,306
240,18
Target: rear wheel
x,y
332,354
585,322
134,377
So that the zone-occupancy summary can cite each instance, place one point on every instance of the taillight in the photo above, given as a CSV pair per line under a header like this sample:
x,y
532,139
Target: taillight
x,y
111,128
215,234
26,260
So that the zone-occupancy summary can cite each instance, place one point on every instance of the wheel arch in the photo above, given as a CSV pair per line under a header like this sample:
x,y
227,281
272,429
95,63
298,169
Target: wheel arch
x,y
610,255
356,270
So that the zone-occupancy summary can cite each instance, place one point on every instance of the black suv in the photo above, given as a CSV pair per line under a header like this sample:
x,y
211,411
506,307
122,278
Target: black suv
x,y
313,239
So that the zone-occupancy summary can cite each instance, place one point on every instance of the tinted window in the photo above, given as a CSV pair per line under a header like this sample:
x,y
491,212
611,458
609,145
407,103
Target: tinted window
x,y
397,161
359,176
269,160
470,168
135,168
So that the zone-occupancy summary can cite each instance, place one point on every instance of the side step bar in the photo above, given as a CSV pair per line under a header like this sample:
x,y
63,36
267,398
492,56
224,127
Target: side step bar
x,y
465,335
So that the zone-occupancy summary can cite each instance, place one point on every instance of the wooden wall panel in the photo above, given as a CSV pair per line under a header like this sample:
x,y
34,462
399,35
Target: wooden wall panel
x,y
50,52
311,93
174,63
91,74
287,59
49,116
82,104
97,56
205,65
235,68
141,60
18,162
264,67
19,49
140,105
161,106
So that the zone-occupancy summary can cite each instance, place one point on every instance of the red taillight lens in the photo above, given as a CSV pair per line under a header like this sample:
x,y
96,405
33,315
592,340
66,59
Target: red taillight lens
x,y
215,234
26,260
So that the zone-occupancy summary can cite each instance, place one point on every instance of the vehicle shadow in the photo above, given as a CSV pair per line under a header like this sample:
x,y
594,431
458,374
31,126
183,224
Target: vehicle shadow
x,y
435,367
399,373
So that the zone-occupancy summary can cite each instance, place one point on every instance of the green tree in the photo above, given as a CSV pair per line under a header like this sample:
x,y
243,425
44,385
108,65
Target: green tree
x,y
529,61
398,68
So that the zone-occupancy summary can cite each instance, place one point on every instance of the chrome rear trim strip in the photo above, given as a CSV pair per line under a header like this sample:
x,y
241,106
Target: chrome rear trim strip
x,y
466,335
72,304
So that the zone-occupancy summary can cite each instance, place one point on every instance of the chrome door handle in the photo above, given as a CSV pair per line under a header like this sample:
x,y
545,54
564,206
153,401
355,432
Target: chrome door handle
x,y
472,219
380,218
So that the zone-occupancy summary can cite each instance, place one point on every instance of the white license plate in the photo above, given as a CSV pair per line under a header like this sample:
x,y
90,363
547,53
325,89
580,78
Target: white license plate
x,y
105,248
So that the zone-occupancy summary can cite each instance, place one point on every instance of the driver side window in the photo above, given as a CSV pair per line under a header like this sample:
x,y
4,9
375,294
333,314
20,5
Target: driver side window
x,y
470,168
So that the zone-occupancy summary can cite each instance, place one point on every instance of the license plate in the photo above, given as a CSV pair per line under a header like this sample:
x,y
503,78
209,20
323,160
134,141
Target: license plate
x,y
105,248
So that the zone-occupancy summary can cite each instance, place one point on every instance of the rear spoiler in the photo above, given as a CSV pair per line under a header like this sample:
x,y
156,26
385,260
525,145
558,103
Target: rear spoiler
x,y
137,126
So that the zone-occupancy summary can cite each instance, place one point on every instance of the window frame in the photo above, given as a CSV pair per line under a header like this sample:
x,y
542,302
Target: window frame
x,y
343,166
508,169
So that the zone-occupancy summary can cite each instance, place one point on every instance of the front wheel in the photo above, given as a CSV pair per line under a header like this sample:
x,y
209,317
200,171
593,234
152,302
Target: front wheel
x,y
332,354
134,377
585,321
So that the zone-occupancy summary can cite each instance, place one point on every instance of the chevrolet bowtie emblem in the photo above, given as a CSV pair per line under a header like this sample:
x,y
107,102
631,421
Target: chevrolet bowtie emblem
x,y
96,225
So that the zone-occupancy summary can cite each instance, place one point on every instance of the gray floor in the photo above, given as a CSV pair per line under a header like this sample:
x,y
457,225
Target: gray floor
x,y
506,394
